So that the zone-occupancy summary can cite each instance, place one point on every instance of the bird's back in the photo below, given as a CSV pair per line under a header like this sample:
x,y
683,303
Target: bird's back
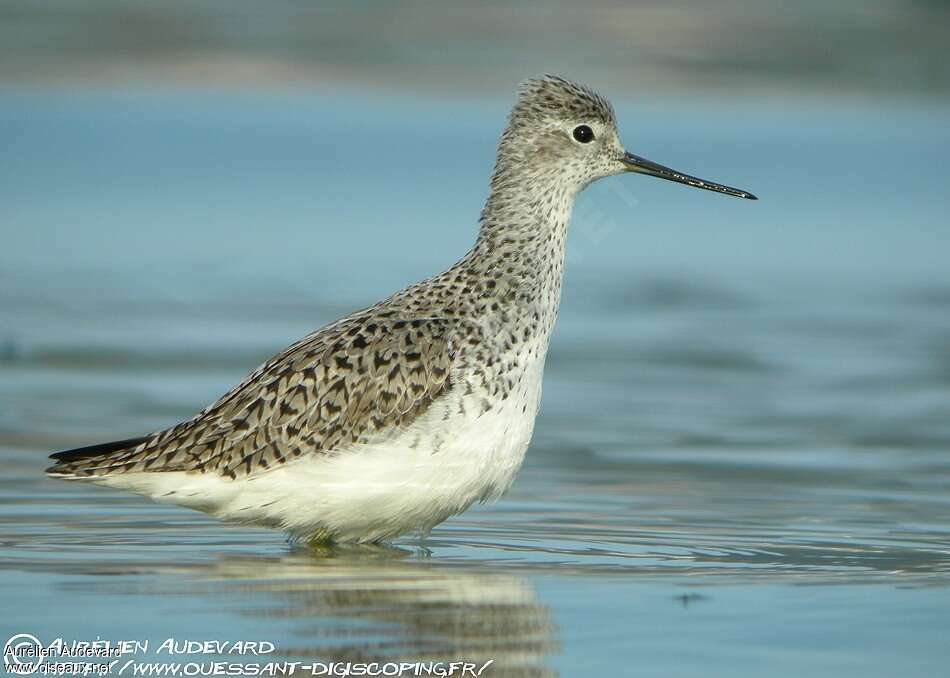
x,y
355,381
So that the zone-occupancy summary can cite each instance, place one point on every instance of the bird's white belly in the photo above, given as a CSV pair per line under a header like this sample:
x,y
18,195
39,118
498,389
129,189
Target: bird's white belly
x,y
435,469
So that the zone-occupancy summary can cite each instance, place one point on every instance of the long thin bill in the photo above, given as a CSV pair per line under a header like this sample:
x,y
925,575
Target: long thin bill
x,y
635,163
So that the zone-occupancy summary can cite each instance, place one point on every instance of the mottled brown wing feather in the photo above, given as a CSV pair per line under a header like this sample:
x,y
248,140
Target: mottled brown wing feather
x,y
356,381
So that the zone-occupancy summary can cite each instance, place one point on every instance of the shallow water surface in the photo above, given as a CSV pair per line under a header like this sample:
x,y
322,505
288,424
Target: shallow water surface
x,y
741,467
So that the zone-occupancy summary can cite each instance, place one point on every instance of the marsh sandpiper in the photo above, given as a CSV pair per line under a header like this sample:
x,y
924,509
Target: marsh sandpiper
x,y
398,416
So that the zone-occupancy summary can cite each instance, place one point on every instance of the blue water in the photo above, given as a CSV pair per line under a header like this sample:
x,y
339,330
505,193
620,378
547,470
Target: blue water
x,y
742,463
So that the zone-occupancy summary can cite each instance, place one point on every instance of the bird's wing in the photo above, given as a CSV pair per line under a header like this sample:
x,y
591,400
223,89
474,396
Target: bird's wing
x,y
353,382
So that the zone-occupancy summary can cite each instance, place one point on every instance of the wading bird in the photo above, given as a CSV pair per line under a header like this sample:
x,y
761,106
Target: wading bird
x,y
398,416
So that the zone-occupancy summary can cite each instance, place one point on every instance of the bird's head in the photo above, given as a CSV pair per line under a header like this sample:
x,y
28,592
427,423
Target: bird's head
x,y
568,132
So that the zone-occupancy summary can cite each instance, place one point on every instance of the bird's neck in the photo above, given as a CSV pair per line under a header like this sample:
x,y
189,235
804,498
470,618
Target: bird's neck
x,y
521,240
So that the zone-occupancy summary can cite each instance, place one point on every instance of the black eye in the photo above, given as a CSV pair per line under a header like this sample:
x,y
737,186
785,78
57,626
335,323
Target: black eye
x,y
583,134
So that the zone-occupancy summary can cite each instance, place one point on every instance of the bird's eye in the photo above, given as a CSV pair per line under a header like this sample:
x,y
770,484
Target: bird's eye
x,y
583,134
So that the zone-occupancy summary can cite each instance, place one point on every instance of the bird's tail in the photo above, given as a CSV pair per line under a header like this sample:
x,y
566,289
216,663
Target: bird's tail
x,y
92,461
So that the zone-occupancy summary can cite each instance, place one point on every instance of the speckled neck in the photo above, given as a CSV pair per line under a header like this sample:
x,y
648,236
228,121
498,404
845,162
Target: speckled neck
x,y
522,233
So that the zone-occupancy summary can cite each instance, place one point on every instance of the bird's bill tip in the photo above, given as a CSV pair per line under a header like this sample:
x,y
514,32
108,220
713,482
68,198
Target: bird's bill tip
x,y
634,163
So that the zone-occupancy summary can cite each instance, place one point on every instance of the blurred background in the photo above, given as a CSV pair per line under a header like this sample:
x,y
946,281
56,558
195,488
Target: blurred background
x,y
739,396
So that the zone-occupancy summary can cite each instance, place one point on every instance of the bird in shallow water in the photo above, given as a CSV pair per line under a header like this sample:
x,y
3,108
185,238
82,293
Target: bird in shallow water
x,y
398,416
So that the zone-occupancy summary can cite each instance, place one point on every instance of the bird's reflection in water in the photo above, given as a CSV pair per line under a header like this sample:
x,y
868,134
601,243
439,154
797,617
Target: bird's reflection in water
x,y
382,603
